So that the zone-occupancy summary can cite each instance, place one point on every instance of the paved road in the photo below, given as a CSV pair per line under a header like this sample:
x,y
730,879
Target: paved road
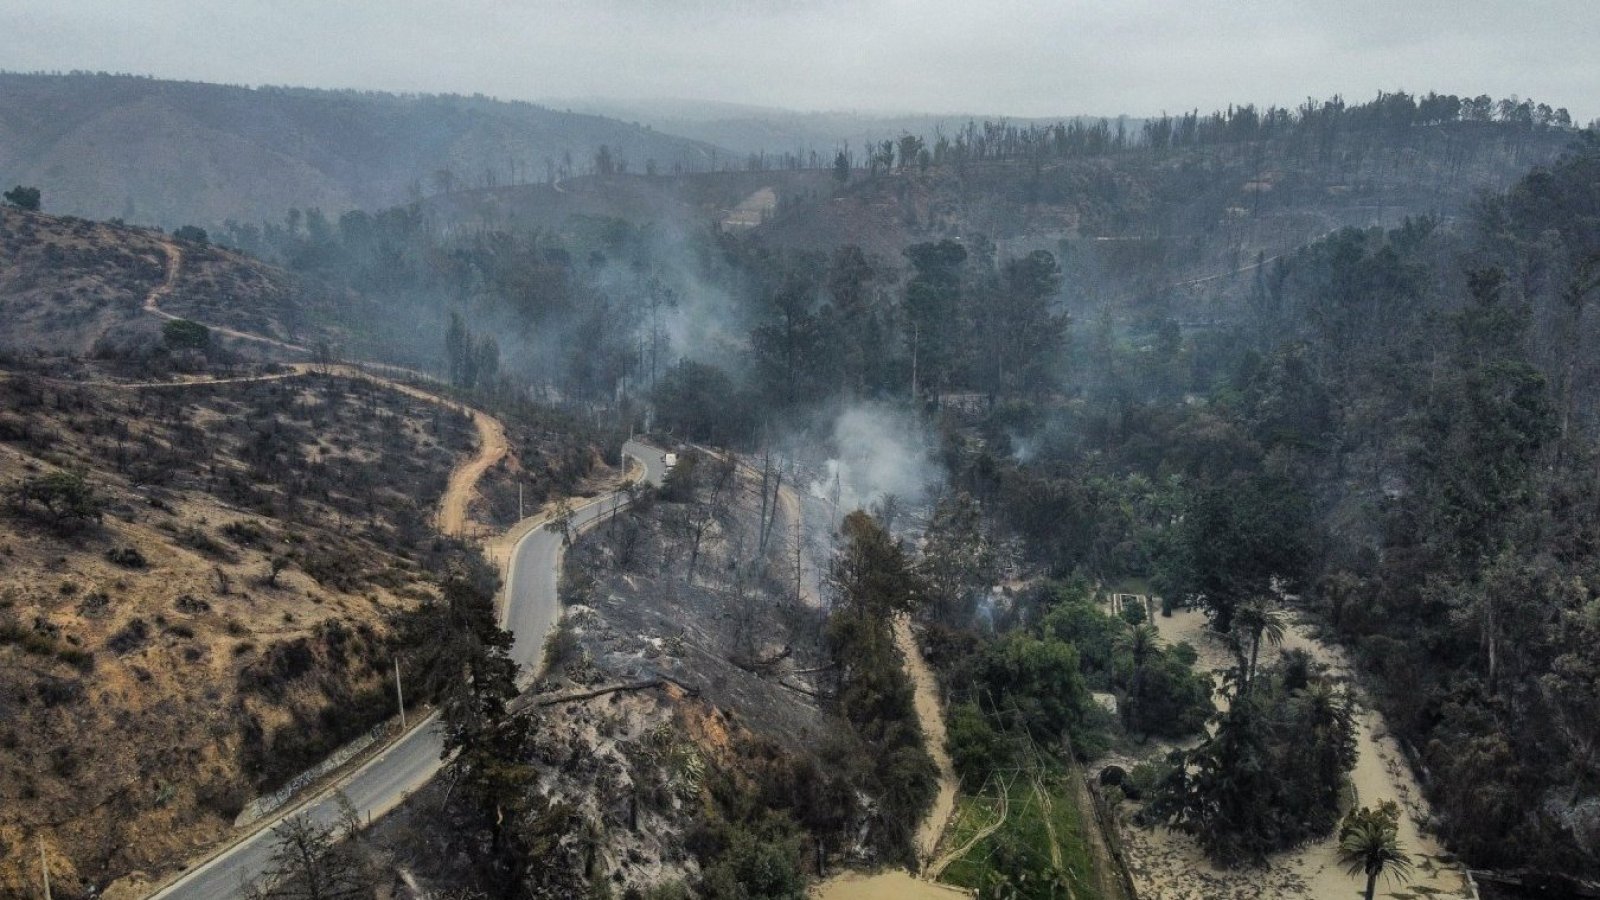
x,y
386,779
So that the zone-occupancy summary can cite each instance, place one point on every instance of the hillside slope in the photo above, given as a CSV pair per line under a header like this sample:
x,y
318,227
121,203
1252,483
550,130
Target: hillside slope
x,y
171,153
1158,213
227,621
70,286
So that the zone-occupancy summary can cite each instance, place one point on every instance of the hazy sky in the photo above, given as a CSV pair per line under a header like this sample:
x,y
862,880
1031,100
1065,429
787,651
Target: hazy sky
x,y
985,56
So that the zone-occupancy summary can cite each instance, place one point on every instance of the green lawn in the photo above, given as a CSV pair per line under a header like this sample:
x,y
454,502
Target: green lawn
x,y
1021,849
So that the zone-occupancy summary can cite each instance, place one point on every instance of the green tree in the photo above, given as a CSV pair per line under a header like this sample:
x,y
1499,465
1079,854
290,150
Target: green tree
x,y
458,350
958,559
469,666
1255,621
182,334
701,402
1484,433
933,312
1240,540
909,147
1324,746
759,864
1034,684
1369,845
873,573
976,748
1269,778
1140,642
788,349
24,198
63,500
1018,327
192,233
874,581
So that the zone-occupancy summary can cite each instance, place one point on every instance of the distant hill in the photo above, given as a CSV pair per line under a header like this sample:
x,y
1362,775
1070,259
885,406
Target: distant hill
x,y
170,153
745,129
1153,216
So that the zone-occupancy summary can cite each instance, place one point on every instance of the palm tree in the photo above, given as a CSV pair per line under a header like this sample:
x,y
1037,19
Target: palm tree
x,y
1260,622
1369,844
1323,714
1140,642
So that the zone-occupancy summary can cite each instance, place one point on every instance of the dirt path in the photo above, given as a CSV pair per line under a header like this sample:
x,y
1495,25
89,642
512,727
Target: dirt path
x,y
152,300
752,210
152,303
930,715
451,516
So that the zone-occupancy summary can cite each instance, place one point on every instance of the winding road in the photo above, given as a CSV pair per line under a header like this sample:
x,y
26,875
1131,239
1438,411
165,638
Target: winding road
x,y
529,609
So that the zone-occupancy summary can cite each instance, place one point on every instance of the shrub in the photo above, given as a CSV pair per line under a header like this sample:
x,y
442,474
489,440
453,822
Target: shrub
x,y
244,532
182,334
976,749
94,604
126,557
64,501
55,692
130,637
196,538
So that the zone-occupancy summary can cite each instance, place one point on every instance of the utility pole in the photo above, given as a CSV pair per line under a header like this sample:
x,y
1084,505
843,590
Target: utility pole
x,y
519,501
399,698
44,866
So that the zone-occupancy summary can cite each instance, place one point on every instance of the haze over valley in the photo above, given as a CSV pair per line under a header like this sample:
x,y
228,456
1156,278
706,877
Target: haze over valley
x,y
764,452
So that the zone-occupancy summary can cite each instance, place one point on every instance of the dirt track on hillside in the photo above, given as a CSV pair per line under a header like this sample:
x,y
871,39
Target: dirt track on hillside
x,y
152,303
451,517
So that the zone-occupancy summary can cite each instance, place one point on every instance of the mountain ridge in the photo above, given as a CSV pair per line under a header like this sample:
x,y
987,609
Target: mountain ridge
x,y
176,152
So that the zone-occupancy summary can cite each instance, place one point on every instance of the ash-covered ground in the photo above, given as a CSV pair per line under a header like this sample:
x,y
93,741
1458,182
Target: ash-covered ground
x,y
686,680
744,629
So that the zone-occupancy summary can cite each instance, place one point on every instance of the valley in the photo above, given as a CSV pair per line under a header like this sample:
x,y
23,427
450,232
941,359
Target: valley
x,y
424,496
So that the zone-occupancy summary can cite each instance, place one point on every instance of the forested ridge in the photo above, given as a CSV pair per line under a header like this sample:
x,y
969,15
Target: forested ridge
x,y
1399,432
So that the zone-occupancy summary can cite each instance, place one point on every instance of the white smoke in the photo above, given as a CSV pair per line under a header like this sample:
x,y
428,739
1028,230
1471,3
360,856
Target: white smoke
x,y
881,451
705,323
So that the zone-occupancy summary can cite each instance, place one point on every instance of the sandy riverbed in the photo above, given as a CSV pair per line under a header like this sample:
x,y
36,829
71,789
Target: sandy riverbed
x,y
896,885
1169,866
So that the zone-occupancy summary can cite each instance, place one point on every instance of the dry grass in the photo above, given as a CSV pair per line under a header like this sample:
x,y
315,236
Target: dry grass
x,y
139,691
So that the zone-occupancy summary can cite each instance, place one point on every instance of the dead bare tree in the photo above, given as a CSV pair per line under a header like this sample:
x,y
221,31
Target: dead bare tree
x,y
707,507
